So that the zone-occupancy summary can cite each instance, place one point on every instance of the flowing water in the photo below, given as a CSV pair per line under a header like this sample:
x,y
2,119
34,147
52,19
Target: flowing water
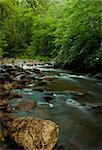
x,y
80,127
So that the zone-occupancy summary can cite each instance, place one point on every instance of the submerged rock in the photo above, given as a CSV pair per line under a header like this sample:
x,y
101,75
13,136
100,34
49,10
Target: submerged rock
x,y
33,133
27,105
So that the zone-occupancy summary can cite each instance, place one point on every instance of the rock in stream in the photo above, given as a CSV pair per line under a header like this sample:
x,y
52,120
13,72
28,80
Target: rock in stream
x,y
32,133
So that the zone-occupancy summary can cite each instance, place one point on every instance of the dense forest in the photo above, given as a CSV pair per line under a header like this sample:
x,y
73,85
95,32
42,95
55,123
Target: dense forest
x,y
66,31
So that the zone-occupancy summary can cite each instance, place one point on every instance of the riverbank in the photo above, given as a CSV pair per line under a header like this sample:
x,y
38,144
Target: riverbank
x,y
90,71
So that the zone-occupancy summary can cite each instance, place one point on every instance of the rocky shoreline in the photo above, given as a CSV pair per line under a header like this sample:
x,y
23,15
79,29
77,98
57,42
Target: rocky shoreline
x,y
29,132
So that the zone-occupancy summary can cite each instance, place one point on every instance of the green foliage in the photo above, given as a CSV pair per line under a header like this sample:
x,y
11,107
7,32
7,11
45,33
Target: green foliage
x,y
42,38
3,43
19,33
78,33
70,31
95,59
6,9
44,26
15,23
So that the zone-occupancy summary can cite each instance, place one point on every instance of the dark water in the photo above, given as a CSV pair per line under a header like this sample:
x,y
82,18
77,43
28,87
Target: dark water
x,y
80,129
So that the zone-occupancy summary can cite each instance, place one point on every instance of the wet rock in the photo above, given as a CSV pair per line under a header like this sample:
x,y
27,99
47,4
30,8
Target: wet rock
x,y
19,74
3,105
73,103
32,77
27,105
9,110
8,86
48,98
76,94
1,137
2,79
40,89
33,133
4,93
5,122
27,89
31,85
20,77
48,92
2,66
2,70
7,66
41,83
56,65
17,86
96,107
46,104
24,81
98,76
4,76
29,64
48,65
48,78
16,96
37,71
13,72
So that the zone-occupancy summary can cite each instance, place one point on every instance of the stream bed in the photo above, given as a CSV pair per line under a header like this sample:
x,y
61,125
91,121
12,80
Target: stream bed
x,y
67,101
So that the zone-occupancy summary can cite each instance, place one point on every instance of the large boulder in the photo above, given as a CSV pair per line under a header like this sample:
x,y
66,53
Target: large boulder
x,y
34,133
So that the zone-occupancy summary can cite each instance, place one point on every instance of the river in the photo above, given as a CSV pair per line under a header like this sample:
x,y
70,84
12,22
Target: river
x,y
80,126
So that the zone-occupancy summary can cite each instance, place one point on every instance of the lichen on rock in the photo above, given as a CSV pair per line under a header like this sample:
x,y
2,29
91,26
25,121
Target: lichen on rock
x,y
34,133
